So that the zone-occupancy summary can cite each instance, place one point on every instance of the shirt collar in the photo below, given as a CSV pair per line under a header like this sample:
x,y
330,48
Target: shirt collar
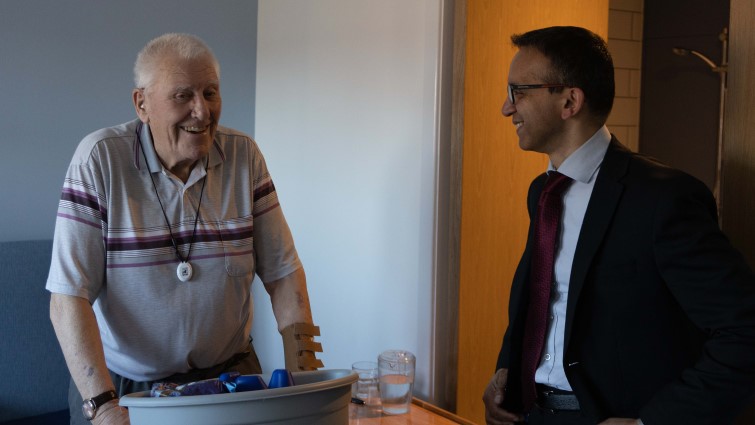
x,y
582,164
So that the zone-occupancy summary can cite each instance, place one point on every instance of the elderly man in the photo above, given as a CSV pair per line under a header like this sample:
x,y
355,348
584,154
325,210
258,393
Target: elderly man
x,y
162,224
629,305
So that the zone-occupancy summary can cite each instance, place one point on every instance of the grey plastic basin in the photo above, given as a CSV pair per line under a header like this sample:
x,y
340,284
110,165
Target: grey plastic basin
x,y
319,398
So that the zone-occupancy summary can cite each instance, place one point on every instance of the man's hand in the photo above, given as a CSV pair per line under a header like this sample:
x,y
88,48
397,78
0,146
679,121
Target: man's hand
x,y
493,397
111,414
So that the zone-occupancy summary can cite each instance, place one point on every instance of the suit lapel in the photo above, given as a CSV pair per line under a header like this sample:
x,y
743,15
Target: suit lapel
x,y
600,210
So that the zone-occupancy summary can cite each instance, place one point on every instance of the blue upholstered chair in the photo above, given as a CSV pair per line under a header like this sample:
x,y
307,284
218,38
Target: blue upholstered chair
x,y
33,374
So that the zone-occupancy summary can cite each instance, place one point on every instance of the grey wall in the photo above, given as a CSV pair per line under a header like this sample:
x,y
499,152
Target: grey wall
x,y
66,71
680,95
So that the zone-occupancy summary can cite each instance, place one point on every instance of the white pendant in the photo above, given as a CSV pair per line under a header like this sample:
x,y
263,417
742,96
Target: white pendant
x,y
184,271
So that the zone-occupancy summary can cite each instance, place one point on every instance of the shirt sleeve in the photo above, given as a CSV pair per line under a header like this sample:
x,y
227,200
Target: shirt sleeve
x,y
78,255
275,253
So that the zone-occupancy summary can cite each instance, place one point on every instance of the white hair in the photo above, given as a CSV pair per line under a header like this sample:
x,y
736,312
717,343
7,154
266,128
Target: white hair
x,y
185,46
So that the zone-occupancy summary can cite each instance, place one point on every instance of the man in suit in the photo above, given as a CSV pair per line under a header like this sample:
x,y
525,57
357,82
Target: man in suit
x,y
649,312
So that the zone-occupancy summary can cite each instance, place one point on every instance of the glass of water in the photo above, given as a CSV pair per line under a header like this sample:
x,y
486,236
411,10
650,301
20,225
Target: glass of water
x,y
396,370
366,387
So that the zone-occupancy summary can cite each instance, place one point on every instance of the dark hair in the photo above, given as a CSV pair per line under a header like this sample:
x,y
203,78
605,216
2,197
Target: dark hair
x,y
580,58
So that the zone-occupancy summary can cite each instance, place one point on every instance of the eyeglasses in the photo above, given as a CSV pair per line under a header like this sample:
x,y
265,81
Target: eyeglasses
x,y
516,87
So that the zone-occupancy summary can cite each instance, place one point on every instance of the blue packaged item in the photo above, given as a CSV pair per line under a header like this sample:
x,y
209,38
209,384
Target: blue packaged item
x,y
237,383
210,386
229,376
281,378
250,383
169,389
164,389
229,380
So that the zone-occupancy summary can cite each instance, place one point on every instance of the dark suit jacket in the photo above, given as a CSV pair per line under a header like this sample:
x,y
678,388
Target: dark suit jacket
x,y
660,320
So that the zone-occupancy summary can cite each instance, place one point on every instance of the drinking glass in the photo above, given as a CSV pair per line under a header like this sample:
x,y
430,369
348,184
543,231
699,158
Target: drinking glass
x,y
366,387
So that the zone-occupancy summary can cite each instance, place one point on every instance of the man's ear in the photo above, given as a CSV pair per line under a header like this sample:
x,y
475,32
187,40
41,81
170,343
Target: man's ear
x,y
138,99
575,102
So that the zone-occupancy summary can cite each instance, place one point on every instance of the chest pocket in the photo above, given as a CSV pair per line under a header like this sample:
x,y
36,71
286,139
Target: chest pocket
x,y
238,247
239,260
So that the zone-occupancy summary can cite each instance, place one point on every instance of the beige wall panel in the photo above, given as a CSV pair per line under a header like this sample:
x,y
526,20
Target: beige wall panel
x,y
496,176
738,182
738,211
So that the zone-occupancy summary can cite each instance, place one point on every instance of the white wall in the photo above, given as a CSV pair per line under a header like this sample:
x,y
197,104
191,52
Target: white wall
x,y
346,117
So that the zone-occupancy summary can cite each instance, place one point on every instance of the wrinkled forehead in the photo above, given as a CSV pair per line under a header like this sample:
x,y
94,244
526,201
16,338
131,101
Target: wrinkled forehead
x,y
174,70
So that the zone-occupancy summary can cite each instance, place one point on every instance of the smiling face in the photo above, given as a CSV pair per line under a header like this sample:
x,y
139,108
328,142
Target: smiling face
x,y
182,106
537,112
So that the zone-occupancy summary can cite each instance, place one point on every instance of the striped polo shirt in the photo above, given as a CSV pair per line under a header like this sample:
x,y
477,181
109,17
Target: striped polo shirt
x,y
112,246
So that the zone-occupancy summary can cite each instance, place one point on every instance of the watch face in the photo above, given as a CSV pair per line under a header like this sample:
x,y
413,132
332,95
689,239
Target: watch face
x,y
88,409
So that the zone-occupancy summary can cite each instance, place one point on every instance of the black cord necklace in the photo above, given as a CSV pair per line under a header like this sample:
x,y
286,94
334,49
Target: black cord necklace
x,y
184,271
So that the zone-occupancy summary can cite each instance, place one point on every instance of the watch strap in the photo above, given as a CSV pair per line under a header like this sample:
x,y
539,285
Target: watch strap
x,y
97,401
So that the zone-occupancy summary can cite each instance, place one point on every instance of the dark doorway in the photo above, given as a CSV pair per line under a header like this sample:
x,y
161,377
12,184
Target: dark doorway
x,y
680,95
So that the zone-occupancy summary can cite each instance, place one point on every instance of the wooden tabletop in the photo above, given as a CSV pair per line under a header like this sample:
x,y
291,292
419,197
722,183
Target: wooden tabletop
x,y
420,413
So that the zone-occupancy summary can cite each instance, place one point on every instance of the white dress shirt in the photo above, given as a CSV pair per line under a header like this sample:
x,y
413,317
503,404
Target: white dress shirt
x,y
583,166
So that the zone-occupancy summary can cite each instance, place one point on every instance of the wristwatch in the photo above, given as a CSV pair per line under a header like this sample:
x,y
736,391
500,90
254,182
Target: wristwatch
x,y
90,406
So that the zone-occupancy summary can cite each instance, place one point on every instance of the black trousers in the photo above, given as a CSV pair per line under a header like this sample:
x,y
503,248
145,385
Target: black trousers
x,y
542,417
245,363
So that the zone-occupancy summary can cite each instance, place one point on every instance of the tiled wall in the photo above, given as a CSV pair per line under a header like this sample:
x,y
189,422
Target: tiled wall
x,y
625,43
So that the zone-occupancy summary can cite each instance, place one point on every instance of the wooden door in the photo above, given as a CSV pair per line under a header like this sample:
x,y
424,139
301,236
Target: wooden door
x,y
495,177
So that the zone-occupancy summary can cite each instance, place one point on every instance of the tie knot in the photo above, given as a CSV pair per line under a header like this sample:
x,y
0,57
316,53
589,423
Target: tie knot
x,y
557,183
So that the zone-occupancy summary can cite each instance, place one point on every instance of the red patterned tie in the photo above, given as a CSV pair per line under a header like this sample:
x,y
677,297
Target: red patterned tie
x,y
549,209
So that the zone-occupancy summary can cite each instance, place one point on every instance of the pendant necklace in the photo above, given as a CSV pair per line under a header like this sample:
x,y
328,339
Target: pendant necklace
x,y
184,270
